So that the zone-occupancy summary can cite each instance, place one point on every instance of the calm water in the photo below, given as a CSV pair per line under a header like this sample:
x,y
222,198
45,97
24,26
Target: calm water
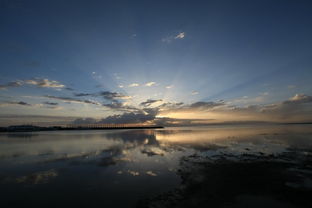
x,y
119,167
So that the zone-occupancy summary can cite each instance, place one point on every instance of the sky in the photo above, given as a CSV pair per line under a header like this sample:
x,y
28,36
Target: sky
x,y
165,62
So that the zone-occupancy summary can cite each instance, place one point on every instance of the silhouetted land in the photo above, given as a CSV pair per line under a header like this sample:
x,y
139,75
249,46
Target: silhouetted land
x,y
30,128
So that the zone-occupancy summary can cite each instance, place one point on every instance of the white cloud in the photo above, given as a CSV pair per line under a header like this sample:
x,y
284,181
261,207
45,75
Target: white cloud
x,y
181,35
169,39
300,98
149,84
134,85
45,83
169,86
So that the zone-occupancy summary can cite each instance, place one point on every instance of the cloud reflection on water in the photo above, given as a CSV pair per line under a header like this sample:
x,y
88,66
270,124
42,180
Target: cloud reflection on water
x,y
54,147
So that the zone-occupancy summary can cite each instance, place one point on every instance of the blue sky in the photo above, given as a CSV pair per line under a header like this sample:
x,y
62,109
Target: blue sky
x,y
240,52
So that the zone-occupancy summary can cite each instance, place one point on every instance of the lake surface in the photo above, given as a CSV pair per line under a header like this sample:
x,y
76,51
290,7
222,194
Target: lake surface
x,y
118,168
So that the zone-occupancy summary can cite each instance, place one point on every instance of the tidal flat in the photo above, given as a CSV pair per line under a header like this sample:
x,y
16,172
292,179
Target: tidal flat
x,y
210,166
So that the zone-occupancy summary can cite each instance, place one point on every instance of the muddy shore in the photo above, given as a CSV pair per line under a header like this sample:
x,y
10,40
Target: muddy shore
x,y
246,180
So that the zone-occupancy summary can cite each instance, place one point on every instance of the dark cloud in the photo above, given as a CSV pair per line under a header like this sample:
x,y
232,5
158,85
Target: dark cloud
x,y
114,105
149,102
21,103
44,83
11,84
118,106
107,95
83,94
299,99
197,106
73,100
205,105
129,118
171,105
298,107
8,103
113,95
50,103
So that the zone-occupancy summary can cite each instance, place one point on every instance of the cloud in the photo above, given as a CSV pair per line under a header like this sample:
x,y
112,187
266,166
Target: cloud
x,y
299,98
295,109
149,102
149,84
170,105
194,92
134,85
38,177
151,173
20,103
181,35
204,105
169,39
44,83
193,107
83,94
115,105
118,106
50,103
130,118
107,95
114,95
169,86
73,100
10,103
139,116
11,84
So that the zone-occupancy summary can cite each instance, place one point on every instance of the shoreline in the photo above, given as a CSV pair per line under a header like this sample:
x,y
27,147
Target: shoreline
x,y
58,128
